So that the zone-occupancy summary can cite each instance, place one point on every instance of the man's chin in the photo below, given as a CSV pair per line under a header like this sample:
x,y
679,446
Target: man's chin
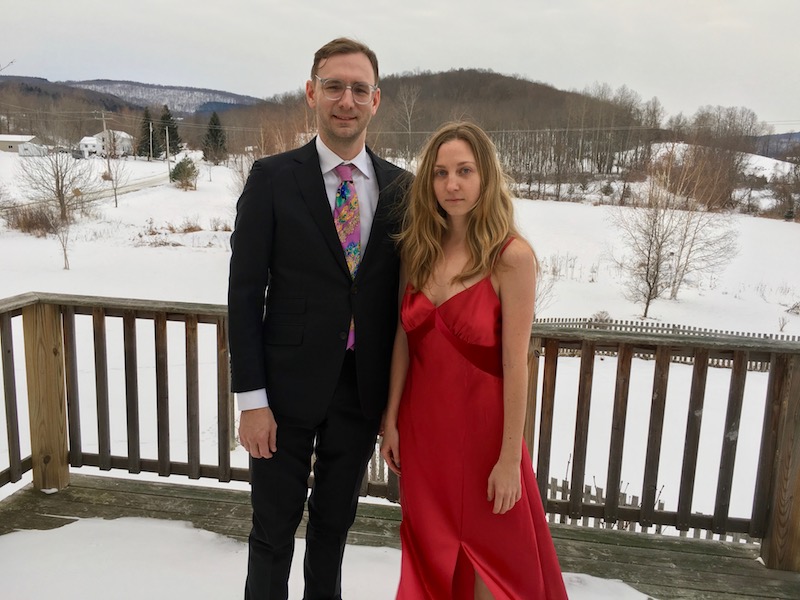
x,y
347,132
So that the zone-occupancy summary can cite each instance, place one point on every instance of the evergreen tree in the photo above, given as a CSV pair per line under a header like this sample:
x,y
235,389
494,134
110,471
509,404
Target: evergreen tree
x,y
167,123
143,145
185,174
214,149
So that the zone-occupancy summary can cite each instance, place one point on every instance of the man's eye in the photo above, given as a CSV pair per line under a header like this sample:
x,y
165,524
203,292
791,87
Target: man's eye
x,y
334,86
361,89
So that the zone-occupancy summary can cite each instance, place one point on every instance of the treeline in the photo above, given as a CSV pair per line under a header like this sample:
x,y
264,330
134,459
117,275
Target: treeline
x,y
547,138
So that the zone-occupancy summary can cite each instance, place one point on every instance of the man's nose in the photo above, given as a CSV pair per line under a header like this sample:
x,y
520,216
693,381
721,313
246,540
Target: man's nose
x,y
347,98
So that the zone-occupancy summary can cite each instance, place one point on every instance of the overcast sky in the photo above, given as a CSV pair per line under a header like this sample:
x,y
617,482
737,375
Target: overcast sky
x,y
688,53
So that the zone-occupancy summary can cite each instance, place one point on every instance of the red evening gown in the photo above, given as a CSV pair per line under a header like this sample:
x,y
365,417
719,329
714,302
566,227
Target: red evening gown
x,y
450,424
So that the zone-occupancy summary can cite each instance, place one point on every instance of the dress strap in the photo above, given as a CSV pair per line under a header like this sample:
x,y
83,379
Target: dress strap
x,y
503,249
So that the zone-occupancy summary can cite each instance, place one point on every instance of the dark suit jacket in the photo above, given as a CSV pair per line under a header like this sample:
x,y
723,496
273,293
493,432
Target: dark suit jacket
x,y
292,340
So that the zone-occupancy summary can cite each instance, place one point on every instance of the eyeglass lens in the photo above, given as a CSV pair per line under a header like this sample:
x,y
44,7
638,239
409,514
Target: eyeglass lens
x,y
334,90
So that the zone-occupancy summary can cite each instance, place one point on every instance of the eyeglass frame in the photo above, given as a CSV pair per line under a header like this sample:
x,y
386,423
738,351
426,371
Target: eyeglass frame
x,y
348,86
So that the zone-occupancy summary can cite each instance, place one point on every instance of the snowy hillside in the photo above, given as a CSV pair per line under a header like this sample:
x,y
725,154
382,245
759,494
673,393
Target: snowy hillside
x,y
179,99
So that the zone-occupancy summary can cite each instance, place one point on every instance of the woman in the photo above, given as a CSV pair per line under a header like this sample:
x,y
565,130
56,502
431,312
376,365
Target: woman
x,y
473,524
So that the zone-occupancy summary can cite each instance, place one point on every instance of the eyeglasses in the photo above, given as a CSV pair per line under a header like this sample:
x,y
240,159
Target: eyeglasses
x,y
333,89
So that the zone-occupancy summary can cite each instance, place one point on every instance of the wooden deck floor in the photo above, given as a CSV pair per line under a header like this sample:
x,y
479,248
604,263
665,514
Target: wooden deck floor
x,y
661,566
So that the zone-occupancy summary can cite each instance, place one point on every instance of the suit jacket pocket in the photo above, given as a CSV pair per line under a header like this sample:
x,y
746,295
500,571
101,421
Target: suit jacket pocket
x,y
284,334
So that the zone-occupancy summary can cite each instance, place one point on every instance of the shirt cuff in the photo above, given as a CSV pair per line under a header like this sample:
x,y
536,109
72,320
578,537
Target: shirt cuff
x,y
252,399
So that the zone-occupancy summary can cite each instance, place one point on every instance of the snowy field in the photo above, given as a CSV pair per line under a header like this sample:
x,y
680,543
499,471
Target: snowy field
x,y
137,250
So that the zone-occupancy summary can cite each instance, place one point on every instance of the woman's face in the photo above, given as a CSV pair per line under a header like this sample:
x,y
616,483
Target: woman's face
x,y
456,181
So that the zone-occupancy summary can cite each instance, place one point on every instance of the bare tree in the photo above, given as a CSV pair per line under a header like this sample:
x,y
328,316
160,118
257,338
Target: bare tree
x,y
406,102
646,233
60,182
786,188
669,234
240,164
703,241
61,230
544,292
117,175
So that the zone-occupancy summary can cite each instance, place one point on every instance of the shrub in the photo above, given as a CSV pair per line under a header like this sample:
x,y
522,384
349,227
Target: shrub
x,y
185,174
34,219
218,224
189,225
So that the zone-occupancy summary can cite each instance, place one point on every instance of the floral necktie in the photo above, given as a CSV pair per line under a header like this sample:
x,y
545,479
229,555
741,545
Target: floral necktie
x,y
348,226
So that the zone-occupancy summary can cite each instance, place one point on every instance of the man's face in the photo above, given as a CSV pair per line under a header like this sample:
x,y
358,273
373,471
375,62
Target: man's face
x,y
343,123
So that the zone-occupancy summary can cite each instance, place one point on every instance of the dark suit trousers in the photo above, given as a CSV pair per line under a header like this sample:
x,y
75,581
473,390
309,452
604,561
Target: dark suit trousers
x,y
343,443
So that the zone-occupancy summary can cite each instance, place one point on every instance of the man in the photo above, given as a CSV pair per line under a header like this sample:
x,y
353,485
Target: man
x,y
312,317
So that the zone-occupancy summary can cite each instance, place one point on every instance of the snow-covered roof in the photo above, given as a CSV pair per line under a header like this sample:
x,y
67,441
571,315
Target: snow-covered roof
x,y
120,135
89,140
8,137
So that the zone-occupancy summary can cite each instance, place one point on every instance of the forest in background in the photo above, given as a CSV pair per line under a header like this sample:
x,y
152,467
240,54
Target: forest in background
x,y
552,142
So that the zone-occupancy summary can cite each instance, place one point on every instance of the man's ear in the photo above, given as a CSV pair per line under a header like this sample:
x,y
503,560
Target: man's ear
x,y
311,99
376,101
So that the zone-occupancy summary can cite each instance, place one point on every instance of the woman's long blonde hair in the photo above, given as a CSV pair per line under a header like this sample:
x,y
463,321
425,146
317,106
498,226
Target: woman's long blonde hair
x,y
424,222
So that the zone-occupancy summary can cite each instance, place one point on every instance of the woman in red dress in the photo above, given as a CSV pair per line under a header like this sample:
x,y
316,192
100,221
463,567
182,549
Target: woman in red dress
x,y
473,523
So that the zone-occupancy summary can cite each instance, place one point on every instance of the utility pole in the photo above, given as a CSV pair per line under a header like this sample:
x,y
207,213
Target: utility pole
x,y
107,142
166,130
150,157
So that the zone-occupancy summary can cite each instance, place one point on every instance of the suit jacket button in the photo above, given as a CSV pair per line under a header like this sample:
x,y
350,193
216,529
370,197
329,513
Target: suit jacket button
x,y
354,289
343,335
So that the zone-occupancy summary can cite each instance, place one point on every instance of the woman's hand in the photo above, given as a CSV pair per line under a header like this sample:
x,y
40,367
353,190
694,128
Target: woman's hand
x,y
390,448
505,486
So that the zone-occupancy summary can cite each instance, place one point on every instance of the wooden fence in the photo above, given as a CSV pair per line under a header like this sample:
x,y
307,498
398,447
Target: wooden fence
x,y
640,327
58,359
592,494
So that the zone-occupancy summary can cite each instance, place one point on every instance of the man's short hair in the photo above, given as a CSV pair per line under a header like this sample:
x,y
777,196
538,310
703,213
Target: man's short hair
x,y
344,46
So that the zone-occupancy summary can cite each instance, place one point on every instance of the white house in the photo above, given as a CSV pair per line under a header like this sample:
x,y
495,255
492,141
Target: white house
x,y
32,149
89,146
11,142
115,143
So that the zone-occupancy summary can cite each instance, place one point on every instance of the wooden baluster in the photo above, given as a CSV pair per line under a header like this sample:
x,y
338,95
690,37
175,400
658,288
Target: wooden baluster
x,y
44,359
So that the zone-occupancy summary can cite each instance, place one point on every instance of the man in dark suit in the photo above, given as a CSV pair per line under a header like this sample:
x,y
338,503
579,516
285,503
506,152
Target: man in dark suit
x,y
311,331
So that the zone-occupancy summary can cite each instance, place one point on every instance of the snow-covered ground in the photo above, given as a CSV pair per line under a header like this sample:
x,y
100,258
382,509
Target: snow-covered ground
x,y
138,250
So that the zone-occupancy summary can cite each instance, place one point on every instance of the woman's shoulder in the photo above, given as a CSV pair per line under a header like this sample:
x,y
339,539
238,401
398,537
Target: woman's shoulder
x,y
516,254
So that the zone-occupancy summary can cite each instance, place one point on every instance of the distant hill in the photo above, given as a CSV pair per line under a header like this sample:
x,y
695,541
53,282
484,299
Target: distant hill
x,y
179,99
41,89
496,101
779,145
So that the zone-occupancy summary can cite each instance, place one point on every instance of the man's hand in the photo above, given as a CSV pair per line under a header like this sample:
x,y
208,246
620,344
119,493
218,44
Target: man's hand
x,y
258,432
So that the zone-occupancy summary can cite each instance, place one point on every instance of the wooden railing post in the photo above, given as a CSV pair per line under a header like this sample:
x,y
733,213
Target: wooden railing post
x,y
534,352
781,546
44,359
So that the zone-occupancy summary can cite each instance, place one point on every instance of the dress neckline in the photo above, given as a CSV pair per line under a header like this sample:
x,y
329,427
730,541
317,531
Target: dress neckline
x,y
459,293
466,289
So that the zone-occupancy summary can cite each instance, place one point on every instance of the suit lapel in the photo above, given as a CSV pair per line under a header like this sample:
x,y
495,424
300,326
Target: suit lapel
x,y
312,191
380,221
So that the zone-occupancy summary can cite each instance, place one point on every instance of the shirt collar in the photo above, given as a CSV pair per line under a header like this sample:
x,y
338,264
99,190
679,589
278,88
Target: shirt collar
x,y
329,160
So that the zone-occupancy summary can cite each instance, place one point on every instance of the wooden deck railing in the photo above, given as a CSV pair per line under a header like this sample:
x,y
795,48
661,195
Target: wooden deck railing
x,y
119,359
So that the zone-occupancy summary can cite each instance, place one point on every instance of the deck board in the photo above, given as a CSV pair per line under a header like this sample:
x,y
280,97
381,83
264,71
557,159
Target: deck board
x,y
663,567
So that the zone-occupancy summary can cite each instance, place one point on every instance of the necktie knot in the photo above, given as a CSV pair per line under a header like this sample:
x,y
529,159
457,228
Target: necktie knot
x,y
345,172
